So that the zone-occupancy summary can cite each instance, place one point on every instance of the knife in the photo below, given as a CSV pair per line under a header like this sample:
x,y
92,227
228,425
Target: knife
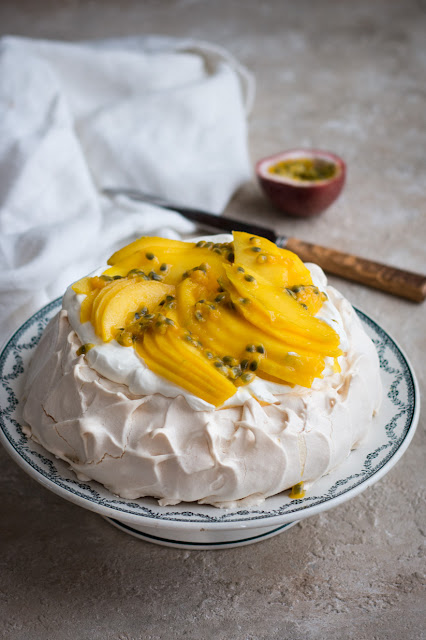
x,y
398,282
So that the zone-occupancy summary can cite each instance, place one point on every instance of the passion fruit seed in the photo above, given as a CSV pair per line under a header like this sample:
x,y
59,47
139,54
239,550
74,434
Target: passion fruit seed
x,y
253,365
244,300
220,297
199,316
246,377
241,269
106,278
164,266
251,348
201,243
209,355
170,322
260,348
223,370
256,249
124,338
249,278
231,256
117,277
261,259
149,255
154,276
84,348
235,373
217,251
244,364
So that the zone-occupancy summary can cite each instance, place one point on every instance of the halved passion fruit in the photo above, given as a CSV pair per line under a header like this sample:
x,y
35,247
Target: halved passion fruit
x,y
302,182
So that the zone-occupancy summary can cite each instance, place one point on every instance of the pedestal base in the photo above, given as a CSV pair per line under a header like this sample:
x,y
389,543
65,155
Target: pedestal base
x,y
202,538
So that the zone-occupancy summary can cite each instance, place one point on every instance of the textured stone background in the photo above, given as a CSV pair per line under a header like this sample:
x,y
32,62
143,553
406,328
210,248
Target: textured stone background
x,y
351,77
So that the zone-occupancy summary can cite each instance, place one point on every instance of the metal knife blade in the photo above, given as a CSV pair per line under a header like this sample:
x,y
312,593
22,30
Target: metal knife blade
x,y
205,219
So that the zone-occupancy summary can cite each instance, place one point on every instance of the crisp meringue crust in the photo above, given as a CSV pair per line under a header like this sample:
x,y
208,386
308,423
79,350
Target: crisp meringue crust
x,y
160,446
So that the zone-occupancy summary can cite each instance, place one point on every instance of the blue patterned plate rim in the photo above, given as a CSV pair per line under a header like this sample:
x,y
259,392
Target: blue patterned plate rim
x,y
400,389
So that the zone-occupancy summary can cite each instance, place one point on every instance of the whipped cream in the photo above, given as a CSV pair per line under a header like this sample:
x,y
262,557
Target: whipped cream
x,y
116,422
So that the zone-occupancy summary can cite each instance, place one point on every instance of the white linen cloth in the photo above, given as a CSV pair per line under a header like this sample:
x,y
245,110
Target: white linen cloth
x,y
153,113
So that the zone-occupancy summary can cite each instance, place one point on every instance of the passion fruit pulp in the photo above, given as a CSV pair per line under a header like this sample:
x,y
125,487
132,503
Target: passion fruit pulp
x,y
302,182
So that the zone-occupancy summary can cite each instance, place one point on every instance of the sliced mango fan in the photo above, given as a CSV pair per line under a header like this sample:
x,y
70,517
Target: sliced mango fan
x,y
212,316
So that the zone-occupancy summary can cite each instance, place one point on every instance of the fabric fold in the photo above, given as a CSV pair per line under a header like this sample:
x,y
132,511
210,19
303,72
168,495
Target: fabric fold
x,y
159,114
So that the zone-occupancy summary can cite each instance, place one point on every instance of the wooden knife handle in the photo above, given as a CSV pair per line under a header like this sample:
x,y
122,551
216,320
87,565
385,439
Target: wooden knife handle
x,y
404,284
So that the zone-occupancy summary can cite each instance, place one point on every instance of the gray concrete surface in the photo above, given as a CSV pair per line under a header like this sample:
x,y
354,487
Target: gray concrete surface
x,y
341,75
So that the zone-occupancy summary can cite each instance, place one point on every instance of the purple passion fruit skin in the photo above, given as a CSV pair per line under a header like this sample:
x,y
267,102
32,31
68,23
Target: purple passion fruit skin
x,y
300,196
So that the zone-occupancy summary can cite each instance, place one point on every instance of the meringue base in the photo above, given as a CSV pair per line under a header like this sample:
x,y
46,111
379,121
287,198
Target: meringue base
x,y
158,446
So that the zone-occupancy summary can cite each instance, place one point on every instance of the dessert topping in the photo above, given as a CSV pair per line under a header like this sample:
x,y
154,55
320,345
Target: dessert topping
x,y
211,316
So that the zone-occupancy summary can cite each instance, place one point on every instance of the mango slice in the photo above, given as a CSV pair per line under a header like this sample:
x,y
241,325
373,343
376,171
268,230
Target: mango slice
x,y
83,286
148,244
278,312
101,301
212,316
309,296
229,334
169,263
114,305
87,306
279,267
176,358
124,303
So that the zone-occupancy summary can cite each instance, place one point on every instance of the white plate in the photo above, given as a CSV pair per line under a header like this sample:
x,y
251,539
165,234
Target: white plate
x,y
191,525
